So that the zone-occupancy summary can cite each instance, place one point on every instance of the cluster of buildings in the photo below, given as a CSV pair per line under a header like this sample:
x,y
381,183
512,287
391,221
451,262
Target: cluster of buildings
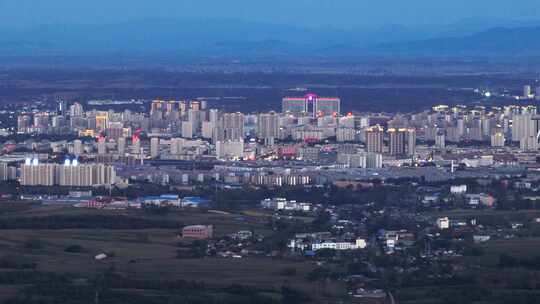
x,y
71,173
177,129
325,240
282,204
172,200
189,130
309,142
528,93
497,125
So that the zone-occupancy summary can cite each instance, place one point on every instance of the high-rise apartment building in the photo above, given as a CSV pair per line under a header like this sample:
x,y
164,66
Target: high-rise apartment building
x,y
102,120
121,145
102,146
397,141
374,139
230,127
327,106
411,141
154,147
176,146
497,139
23,123
33,173
527,91
157,106
296,106
440,140
78,147
76,110
268,125
523,126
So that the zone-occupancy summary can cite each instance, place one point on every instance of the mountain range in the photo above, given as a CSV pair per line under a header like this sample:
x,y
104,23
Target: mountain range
x,y
233,38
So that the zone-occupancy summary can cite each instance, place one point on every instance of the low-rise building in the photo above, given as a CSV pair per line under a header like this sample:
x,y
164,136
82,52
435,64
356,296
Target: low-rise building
x,y
339,245
161,200
279,203
201,232
443,223
458,189
481,199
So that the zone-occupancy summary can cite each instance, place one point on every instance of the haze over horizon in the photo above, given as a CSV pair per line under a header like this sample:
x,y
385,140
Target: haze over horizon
x,y
345,14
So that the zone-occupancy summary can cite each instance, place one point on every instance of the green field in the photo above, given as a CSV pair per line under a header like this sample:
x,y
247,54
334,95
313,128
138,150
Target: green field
x,y
519,248
523,248
151,254
488,213
154,257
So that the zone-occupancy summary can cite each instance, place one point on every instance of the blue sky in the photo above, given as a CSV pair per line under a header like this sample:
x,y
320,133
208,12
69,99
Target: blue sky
x,y
313,13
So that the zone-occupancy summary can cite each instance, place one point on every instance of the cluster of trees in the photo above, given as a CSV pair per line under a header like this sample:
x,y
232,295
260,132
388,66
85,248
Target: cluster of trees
x,y
471,294
248,196
197,249
13,261
508,261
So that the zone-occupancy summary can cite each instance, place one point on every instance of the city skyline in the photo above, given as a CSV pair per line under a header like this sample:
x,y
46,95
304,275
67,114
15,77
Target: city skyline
x,y
279,152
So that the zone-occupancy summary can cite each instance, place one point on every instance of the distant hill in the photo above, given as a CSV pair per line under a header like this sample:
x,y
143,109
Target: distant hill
x,y
233,38
197,37
521,41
